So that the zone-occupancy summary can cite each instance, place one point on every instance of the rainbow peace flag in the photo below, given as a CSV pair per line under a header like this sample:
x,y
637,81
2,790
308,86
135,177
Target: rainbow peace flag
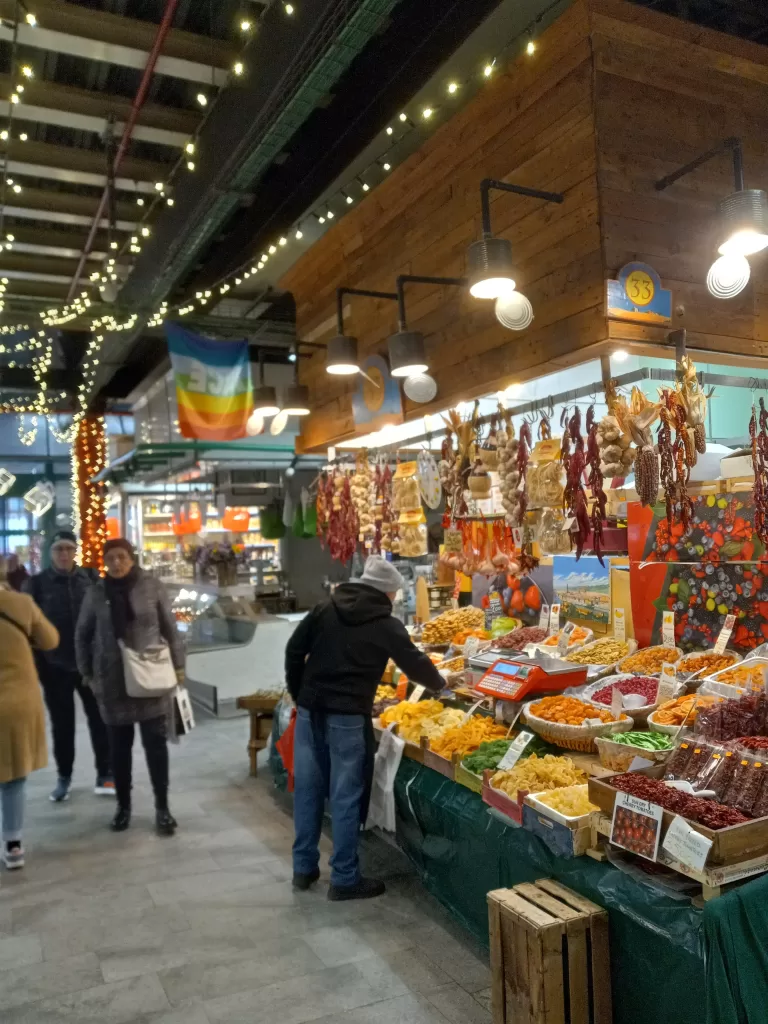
x,y
214,391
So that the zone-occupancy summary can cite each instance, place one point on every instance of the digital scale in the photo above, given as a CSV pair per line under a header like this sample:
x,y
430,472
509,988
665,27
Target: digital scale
x,y
513,680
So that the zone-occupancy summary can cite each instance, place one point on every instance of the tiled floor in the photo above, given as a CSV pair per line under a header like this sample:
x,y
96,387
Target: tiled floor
x,y
204,928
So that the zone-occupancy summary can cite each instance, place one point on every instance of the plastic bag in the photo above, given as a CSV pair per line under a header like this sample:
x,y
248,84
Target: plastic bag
x,y
381,810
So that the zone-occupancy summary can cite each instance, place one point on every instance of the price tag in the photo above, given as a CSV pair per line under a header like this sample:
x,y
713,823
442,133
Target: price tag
x,y
725,635
544,617
554,618
568,523
619,624
453,541
667,682
418,693
472,710
471,647
617,702
686,844
668,629
639,762
562,642
516,748
636,825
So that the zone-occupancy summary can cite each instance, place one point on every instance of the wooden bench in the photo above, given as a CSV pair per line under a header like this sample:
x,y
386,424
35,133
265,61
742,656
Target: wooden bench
x,y
261,710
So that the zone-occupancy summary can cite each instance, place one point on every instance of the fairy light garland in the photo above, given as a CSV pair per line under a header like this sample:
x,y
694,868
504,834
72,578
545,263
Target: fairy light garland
x,y
89,499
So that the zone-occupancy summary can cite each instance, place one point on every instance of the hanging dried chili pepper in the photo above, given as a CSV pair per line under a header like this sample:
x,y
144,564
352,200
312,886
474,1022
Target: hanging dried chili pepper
x,y
682,463
523,457
666,455
574,495
595,482
758,442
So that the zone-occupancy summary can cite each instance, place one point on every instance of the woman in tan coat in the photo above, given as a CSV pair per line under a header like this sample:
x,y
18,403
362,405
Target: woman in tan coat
x,y
22,719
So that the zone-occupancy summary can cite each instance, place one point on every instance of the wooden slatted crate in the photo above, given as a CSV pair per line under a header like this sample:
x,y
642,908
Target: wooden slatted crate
x,y
550,956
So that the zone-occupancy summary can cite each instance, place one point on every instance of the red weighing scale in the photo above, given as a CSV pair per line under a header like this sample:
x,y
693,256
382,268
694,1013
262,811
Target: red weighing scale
x,y
513,680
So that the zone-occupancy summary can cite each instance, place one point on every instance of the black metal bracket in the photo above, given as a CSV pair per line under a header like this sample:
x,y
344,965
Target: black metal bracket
x,y
403,279
341,292
488,185
731,144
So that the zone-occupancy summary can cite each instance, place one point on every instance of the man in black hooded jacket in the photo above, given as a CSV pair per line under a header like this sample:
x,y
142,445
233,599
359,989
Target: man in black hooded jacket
x,y
333,663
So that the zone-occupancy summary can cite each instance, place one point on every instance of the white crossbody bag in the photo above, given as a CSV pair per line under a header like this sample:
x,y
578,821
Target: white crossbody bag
x,y
148,673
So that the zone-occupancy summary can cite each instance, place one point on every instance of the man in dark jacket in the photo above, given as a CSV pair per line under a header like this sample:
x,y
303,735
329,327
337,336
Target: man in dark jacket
x,y
333,663
59,593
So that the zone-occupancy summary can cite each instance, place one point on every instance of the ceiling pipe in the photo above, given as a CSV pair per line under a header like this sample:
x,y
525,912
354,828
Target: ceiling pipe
x,y
138,103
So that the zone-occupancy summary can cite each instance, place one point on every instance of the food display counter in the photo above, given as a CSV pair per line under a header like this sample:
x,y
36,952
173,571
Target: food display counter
x,y
232,649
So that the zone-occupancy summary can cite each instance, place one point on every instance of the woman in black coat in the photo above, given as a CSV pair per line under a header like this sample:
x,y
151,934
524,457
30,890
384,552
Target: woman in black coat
x,y
133,607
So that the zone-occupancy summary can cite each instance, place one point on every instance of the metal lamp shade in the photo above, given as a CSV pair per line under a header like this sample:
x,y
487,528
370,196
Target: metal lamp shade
x,y
296,400
341,356
265,401
407,355
489,268
744,217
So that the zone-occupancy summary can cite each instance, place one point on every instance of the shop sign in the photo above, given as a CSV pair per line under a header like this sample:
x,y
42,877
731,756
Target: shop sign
x,y
638,295
376,402
687,845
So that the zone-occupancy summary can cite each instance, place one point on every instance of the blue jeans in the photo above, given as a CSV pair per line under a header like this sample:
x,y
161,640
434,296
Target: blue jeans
x,y
12,809
329,757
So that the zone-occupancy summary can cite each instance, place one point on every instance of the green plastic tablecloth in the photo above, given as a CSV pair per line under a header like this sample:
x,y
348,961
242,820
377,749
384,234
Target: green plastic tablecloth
x,y
671,962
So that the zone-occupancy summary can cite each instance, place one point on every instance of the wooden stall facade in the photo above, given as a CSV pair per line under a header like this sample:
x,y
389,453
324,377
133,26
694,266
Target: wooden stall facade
x,y
615,97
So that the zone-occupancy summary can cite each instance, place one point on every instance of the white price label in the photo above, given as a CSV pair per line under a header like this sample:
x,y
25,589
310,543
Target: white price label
x,y
639,762
667,682
617,702
516,748
568,523
544,617
554,618
473,709
565,636
418,693
668,629
636,825
471,647
725,634
686,844
619,624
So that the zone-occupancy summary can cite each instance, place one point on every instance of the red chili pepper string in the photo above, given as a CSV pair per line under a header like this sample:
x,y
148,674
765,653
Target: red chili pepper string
x,y
574,495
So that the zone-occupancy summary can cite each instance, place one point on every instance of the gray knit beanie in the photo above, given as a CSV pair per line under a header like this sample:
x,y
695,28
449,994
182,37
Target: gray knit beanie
x,y
381,574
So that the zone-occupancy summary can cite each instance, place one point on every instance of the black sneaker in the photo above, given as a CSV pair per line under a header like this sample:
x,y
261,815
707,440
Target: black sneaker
x,y
61,791
165,823
303,882
121,820
365,889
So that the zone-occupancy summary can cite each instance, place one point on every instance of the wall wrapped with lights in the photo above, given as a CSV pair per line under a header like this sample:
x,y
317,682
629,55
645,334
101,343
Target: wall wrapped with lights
x,y
89,500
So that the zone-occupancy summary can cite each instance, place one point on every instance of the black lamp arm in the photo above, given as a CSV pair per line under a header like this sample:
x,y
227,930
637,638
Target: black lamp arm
x,y
488,185
732,143
403,279
341,292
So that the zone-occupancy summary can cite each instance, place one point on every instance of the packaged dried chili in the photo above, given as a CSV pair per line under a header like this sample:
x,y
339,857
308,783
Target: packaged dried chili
x,y
753,779
678,760
701,752
736,788
723,776
709,722
708,768
760,809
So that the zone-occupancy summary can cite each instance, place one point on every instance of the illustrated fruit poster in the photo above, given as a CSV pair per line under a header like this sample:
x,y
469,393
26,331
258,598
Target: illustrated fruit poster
x,y
719,567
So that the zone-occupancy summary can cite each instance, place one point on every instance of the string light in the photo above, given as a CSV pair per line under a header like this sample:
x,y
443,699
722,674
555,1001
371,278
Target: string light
x,y
453,88
289,9
89,499
202,99
245,25
27,71
31,19
190,148
238,68
190,165
488,69
530,48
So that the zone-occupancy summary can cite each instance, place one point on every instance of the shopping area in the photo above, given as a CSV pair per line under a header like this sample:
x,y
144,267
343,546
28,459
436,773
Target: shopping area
x,y
526,361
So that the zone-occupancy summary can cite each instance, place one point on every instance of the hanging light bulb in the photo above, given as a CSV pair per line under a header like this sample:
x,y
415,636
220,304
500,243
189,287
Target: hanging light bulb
x,y
530,47
190,165
238,68
728,276
514,311
190,148
245,25
202,99
31,19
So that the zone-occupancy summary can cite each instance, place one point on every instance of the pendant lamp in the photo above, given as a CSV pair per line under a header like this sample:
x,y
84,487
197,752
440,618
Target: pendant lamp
x,y
407,353
341,359
296,400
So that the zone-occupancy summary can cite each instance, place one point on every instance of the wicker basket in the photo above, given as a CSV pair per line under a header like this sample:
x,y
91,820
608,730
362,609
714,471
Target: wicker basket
x,y
574,737
631,645
619,756
639,715
669,730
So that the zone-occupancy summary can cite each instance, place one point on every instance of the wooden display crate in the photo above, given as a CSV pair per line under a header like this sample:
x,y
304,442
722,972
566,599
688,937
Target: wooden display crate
x,y
730,846
500,801
445,766
550,958
464,777
561,839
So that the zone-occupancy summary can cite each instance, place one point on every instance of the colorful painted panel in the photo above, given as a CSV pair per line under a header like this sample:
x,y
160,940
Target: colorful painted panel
x,y
583,588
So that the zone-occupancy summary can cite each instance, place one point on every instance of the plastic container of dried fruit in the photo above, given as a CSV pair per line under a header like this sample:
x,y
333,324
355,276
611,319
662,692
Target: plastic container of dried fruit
x,y
718,684
694,679
571,820
550,644
619,756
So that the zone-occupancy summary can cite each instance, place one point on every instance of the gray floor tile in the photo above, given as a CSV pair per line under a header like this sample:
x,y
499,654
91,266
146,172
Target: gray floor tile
x,y
19,951
34,982
405,1010
124,1002
459,1006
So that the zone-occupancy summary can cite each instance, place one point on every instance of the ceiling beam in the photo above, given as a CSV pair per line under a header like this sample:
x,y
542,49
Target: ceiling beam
x,y
41,204
99,25
52,236
65,42
79,166
21,378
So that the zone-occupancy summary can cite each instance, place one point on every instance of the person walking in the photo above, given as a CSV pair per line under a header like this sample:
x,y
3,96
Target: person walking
x,y
333,664
22,718
131,607
59,593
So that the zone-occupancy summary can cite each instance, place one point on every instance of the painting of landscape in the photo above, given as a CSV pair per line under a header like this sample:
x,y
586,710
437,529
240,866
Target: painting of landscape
x,y
583,588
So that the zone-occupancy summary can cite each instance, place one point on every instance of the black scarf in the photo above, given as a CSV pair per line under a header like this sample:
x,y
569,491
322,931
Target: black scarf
x,y
119,600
